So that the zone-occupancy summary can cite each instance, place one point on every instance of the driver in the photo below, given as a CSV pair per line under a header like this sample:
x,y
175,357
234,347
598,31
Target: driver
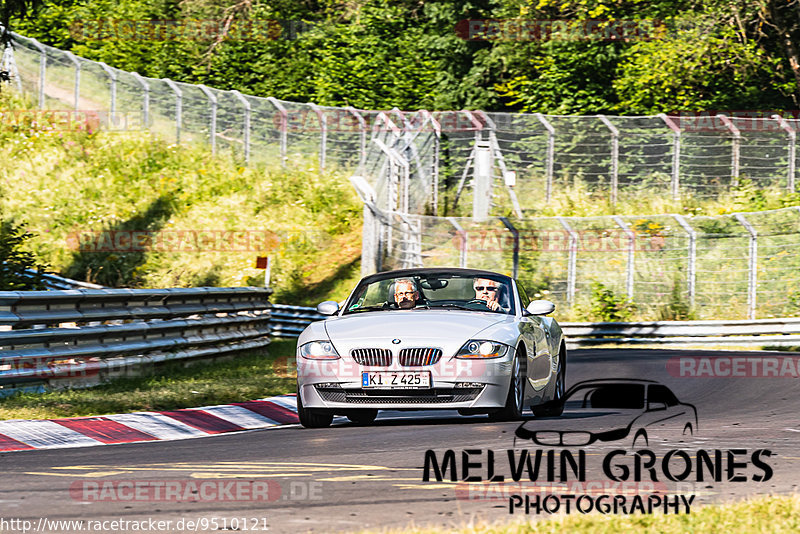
x,y
405,294
488,291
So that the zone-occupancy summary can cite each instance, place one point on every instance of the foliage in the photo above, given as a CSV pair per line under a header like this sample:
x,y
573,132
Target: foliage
x,y
711,54
19,268
606,306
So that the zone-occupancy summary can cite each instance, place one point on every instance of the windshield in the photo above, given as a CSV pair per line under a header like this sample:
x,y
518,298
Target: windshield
x,y
429,291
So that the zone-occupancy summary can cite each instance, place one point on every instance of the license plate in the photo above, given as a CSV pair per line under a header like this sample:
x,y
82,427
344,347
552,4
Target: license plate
x,y
396,380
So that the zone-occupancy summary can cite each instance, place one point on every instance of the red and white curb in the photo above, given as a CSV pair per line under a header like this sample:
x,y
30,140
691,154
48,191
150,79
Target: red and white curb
x,y
17,435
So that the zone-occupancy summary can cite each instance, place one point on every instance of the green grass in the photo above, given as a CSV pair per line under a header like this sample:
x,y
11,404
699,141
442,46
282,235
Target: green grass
x,y
241,378
762,515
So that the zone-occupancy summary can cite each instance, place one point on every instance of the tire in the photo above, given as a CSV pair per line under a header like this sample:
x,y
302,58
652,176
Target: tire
x,y
555,407
512,410
362,417
311,418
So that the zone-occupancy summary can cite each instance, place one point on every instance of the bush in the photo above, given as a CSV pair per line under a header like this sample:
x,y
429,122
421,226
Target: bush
x,y
608,307
19,269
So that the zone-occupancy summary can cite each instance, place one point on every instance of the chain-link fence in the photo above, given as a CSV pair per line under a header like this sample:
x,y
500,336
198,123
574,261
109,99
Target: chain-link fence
x,y
667,266
409,166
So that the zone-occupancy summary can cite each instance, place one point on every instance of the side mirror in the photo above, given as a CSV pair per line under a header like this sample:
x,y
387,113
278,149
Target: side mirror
x,y
329,307
540,307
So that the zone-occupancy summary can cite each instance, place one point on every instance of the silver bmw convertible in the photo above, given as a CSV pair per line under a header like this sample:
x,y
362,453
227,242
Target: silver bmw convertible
x,y
431,338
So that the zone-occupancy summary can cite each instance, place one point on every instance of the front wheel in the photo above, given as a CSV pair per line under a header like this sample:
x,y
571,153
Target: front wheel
x,y
312,418
516,391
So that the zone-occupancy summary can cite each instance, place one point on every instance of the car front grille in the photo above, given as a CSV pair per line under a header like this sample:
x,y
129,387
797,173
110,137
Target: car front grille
x,y
379,357
420,356
408,396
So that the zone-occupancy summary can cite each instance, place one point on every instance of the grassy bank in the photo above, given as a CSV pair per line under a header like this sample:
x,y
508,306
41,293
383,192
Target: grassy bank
x,y
173,386
768,514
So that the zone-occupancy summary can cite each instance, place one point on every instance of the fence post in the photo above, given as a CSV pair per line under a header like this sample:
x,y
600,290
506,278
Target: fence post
x,y
631,247
412,243
462,256
112,77
437,135
284,127
497,154
737,139
323,141
515,233
77,64
362,141
551,152
692,267
178,108
212,125
482,180
614,157
572,261
752,278
676,154
792,149
145,99
42,69
247,109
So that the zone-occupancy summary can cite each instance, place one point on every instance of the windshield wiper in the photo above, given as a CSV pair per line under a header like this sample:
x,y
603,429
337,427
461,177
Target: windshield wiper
x,y
376,307
451,305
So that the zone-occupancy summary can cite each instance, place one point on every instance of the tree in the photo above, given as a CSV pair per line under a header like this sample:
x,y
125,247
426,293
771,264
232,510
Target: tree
x,y
18,268
16,9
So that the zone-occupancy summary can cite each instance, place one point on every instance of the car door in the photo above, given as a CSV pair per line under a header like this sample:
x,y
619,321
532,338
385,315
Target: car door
x,y
536,343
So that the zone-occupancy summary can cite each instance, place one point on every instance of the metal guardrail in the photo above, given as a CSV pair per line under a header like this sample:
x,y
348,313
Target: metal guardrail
x,y
73,337
289,321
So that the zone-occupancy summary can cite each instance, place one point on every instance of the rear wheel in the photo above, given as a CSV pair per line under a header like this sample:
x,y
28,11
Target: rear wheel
x,y
362,417
516,392
555,407
312,418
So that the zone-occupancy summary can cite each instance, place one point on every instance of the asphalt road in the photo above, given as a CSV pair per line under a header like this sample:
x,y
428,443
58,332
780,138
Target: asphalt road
x,y
347,478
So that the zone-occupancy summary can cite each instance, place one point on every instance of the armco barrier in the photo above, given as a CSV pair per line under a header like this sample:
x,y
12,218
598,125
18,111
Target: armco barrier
x,y
289,321
75,337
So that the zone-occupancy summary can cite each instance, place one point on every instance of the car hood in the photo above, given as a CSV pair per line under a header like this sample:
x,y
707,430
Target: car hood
x,y
447,329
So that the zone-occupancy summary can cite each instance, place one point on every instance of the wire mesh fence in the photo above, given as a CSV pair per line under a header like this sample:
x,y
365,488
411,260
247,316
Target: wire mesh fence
x,y
410,167
666,266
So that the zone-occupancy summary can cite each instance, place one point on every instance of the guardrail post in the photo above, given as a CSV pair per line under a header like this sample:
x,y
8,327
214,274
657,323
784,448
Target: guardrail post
x,y
284,126
42,69
77,64
323,141
614,157
736,142
515,233
246,105
631,247
752,279
212,124
692,267
792,150
676,154
112,78
178,108
572,261
145,98
462,256
551,154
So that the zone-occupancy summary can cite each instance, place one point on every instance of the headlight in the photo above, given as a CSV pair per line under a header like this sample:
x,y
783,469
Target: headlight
x,y
481,348
319,350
